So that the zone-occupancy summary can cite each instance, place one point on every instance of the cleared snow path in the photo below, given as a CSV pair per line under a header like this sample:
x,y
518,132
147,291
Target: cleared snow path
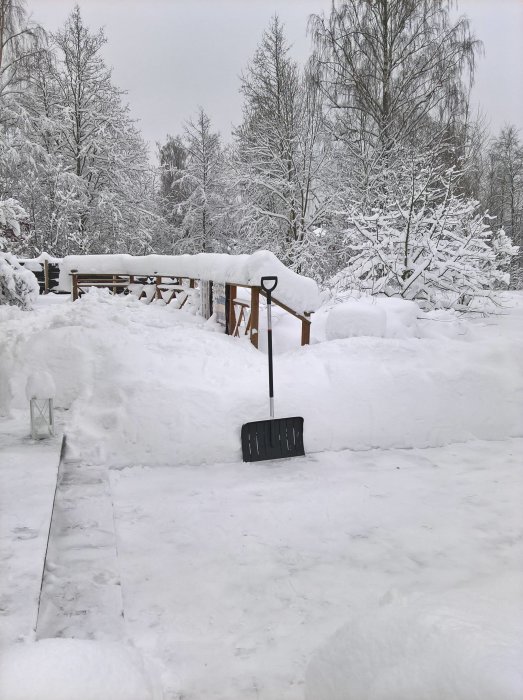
x,y
234,576
81,594
28,472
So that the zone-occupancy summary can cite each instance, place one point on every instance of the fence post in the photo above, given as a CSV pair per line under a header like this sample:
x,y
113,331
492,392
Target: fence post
x,y
255,315
46,277
75,284
230,294
305,331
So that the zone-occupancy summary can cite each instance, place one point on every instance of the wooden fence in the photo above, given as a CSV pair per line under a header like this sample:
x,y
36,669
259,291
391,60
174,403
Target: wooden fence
x,y
242,316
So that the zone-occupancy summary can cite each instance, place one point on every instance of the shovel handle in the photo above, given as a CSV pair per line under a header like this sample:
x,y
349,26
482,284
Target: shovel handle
x,y
268,288
268,284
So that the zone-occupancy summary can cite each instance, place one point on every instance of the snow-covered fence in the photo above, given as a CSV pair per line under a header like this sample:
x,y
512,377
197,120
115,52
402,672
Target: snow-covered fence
x,y
296,294
46,270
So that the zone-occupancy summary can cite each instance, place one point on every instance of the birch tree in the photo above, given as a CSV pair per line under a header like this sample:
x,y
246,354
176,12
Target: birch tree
x,y
20,40
390,68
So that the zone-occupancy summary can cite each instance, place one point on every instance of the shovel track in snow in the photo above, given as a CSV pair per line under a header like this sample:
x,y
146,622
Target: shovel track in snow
x,y
80,593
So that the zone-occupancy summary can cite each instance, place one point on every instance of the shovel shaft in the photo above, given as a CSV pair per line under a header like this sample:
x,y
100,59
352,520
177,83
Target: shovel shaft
x,y
268,284
269,352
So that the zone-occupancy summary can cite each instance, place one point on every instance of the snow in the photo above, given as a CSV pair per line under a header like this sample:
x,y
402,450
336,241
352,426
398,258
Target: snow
x,y
236,577
32,265
391,569
18,286
355,319
62,669
25,514
40,385
145,382
464,643
298,292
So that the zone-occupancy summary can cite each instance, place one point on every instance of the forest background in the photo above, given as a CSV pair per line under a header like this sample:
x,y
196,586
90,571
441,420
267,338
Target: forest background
x,y
365,167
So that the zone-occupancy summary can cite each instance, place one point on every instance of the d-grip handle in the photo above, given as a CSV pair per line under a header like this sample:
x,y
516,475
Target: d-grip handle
x,y
266,288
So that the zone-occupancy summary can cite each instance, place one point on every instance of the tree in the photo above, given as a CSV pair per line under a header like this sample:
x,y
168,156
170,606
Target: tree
x,y
279,153
100,146
197,185
20,40
424,241
172,158
504,191
391,68
18,286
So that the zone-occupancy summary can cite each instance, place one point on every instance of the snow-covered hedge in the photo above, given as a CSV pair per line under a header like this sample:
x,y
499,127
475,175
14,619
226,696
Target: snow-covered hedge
x,y
18,286
298,292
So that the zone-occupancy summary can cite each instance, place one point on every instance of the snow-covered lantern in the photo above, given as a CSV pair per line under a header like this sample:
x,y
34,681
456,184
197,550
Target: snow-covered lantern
x,y
40,391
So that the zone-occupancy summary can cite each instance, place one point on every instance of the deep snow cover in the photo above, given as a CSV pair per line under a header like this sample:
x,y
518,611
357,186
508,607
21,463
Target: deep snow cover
x,y
144,383
391,574
298,292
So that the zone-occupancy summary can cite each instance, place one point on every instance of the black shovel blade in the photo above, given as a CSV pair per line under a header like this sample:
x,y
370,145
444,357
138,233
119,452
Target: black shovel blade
x,y
272,439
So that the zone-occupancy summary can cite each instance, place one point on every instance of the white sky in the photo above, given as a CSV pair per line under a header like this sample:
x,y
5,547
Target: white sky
x,y
173,55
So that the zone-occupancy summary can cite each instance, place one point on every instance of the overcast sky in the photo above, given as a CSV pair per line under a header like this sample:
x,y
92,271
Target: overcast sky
x,y
173,55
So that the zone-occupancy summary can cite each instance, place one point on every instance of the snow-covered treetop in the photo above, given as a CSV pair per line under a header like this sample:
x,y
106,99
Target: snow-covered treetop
x,y
299,293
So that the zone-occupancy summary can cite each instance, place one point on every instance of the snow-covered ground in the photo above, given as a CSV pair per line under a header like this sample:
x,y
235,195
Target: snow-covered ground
x,y
385,565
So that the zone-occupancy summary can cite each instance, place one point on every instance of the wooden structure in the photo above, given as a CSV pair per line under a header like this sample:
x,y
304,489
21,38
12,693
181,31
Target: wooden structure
x,y
238,310
242,316
47,275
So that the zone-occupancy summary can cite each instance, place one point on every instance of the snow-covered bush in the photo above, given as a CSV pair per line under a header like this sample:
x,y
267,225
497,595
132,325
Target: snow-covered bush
x,y
18,286
422,240
12,214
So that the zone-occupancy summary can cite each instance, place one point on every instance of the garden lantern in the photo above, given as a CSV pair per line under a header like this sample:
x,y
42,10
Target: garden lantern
x,y
40,391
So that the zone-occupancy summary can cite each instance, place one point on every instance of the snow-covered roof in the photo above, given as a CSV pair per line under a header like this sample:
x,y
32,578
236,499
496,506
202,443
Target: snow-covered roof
x,y
296,291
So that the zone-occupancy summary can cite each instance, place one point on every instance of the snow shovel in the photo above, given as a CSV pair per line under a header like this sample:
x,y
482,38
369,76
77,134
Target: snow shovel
x,y
278,437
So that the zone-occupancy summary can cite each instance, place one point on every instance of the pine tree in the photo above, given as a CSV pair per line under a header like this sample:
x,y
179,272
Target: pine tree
x,y
279,156
198,187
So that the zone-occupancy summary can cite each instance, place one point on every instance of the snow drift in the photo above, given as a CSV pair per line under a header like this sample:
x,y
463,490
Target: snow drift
x,y
151,384
462,644
63,669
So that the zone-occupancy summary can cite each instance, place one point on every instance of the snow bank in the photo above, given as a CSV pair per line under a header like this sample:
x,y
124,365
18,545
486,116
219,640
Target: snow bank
x,y
67,669
464,644
377,316
152,385
296,291
355,319
40,385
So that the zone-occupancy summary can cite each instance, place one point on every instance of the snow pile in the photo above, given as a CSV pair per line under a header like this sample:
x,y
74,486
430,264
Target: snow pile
x,y
18,286
402,316
298,292
373,316
72,669
40,385
355,319
463,644
150,384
